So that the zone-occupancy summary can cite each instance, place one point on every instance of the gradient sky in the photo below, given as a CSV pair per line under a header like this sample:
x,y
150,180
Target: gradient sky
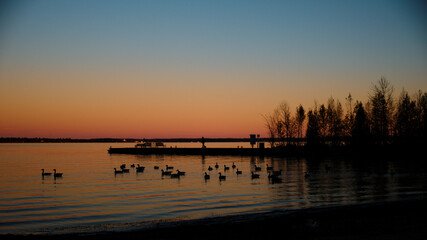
x,y
96,68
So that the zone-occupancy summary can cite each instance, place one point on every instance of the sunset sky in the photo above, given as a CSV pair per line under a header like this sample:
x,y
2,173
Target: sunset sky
x,y
96,68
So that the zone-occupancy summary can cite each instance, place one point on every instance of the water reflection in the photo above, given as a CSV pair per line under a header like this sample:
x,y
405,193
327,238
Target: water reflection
x,y
90,192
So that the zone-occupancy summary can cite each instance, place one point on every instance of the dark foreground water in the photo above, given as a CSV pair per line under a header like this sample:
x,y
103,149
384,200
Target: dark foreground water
x,y
90,196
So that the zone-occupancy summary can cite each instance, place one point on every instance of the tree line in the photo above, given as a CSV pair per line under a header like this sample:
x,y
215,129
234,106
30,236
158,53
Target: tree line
x,y
381,120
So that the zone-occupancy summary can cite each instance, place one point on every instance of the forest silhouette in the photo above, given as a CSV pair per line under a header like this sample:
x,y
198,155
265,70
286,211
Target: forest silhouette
x,y
381,121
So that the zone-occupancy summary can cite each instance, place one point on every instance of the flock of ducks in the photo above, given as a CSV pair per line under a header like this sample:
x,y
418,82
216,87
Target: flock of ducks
x,y
273,176
139,168
55,174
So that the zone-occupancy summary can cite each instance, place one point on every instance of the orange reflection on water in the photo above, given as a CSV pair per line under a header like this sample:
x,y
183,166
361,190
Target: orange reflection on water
x,y
90,193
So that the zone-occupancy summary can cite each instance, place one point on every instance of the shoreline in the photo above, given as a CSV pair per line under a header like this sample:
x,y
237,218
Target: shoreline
x,y
378,220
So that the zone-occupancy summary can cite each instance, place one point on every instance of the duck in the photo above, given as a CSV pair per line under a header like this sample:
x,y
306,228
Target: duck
x,y
221,177
216,165
117,171
133,165
45,173
226,168
238,172
207,176
168,167
180,173
233,166
166,172
274,178
174,175
253,175
123,166
257,168
273,175
140,168
269,168
55,174
125,170
156,167
210,168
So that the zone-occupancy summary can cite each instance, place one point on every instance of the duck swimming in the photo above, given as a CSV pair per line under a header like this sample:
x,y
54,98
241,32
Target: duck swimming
x,y
45,173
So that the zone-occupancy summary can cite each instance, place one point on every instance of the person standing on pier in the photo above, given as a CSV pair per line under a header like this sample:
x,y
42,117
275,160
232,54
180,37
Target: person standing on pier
x,y
203,142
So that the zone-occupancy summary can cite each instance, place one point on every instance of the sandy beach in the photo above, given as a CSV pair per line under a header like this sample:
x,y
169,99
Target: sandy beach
x,y
381,220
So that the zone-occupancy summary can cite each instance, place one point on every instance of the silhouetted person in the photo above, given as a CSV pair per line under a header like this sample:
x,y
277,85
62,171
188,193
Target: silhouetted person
x,y
203,142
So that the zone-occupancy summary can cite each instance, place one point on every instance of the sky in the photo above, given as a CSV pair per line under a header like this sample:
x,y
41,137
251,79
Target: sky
x,y
165,69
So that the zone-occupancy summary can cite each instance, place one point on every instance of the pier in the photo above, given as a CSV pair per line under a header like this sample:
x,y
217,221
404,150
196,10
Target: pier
x,y
193,151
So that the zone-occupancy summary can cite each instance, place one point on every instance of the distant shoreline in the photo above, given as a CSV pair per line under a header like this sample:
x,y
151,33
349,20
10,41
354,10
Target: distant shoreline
x,y
119,140
400,219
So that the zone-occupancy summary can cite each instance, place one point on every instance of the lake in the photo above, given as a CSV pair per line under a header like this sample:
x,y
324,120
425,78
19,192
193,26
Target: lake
x,y
90,197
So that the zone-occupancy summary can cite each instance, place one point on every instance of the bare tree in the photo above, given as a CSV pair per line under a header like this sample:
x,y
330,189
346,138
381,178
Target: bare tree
x,y
271,124
333,122
287,122
349,116
381,100
280,124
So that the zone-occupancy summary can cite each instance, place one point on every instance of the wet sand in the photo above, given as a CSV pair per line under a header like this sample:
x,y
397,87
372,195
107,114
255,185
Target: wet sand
x,y
405,219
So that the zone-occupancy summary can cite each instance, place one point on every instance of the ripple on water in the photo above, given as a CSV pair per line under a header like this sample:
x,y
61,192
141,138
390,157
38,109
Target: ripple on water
x,y
90,195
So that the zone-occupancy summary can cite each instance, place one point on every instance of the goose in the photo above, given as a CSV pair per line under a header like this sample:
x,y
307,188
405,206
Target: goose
x,y
174,175
257,168
253,175
226,168
180,173
117,171
55,174
125,170
238,172
269,168
233,166
210,168
270,175
156,167
123,166
274,178
216,165
45,173
207,176
168,167
166,172
140,168
221,177
133,165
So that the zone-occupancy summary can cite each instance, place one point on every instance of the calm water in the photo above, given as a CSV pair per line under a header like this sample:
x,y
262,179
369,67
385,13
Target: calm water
x,y
89,196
